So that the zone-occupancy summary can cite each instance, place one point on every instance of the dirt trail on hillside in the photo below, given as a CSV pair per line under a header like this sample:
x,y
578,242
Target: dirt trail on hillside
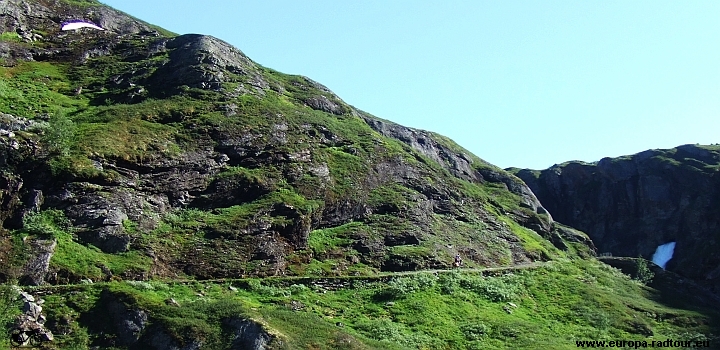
x,y
314,279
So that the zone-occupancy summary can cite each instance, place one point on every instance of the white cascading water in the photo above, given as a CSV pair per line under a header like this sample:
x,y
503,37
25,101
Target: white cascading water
x,y
663,254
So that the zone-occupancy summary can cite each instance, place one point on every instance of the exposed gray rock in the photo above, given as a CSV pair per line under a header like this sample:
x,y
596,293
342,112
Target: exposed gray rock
x,y
201,61
422,142
10,186
103,222
458,164
101,212
110,239
37,267
26,297
163,341
13,123
336,214
248,335
32,318
114,216
32,309
12,52
35,200
129,323
322,103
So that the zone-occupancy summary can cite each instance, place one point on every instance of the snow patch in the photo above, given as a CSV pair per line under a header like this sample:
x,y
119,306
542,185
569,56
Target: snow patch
x,y
79,24
663,254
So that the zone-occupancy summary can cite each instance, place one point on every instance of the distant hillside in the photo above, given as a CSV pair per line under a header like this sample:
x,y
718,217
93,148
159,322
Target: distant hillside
x,y
630,205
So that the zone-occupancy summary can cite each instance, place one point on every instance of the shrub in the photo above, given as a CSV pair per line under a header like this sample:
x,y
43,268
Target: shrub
x,y
475,331
594,317
47,223
296,289
450,282
141,285
493,289
9,303
643,273
387,330
425,280
401,286
257,287
59,136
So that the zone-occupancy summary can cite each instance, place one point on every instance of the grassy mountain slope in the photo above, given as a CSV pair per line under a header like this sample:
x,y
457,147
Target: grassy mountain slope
x,y
185,151
134,161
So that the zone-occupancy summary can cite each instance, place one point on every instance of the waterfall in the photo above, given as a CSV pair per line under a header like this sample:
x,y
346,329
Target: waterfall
x,y
663,254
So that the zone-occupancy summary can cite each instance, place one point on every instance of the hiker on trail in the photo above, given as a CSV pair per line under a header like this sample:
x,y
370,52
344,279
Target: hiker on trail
x,y
458,260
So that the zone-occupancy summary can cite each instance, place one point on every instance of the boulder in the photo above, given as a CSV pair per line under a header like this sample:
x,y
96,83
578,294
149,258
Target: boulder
x,y
129,323
247,334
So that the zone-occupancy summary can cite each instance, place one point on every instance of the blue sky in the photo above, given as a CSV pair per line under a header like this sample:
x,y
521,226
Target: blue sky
x,y
518,83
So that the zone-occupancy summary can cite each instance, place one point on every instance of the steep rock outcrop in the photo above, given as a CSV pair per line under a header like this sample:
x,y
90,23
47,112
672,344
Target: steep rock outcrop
x,y
201,61
631,205
37,267
461,164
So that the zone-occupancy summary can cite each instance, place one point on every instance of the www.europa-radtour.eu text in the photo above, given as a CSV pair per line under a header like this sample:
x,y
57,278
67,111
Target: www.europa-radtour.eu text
x,y
641,344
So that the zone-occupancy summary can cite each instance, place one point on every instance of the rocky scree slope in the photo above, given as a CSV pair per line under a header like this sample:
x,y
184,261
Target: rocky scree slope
x,y
630,205
131,153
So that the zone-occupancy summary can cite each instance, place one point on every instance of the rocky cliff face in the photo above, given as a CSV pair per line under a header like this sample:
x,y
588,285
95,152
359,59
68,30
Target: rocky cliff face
x,y
631,205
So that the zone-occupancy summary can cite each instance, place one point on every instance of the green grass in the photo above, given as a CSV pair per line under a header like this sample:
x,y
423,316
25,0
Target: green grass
x,y
86,261
325,240
129,140
531,241
242,214
547,307
346,170
393,197
10,36
32,88
250,175
78,260
83,3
